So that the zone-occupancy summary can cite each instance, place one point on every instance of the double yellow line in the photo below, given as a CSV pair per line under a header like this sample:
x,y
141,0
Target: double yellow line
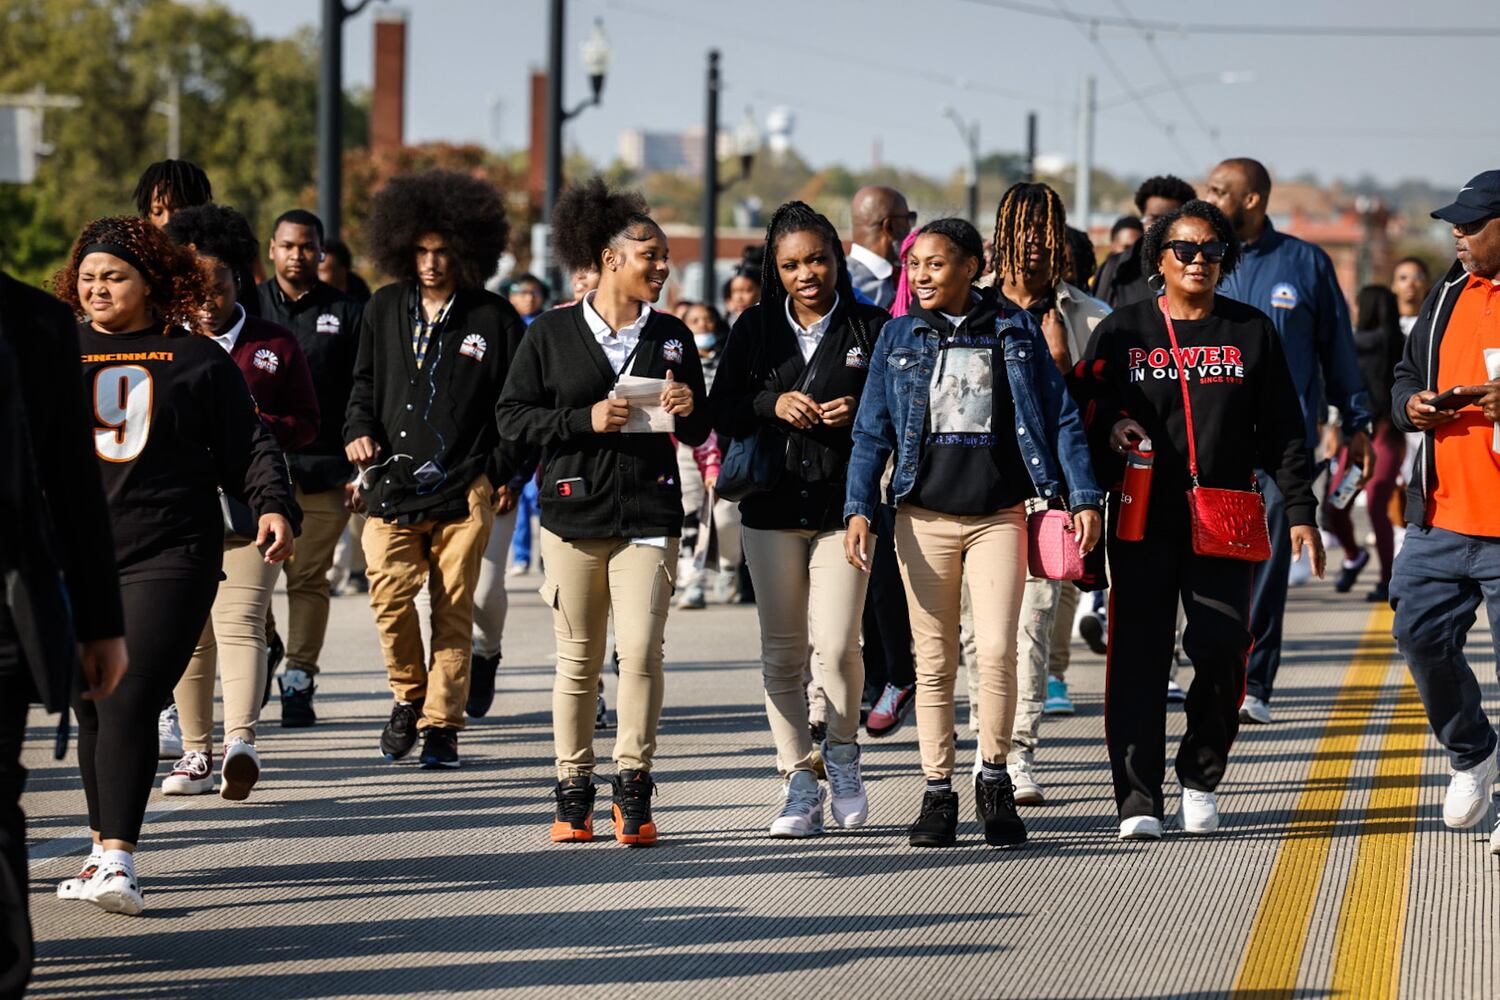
x,y
1372,913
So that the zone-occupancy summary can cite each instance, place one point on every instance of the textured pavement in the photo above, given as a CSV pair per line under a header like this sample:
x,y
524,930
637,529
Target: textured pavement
x,y
346,876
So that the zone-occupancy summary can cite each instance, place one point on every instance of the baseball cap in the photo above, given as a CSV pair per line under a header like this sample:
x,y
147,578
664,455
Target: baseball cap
x,y
1478,199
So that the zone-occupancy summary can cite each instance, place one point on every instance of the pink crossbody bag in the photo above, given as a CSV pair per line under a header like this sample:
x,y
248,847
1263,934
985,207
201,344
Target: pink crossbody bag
x,y
1051,547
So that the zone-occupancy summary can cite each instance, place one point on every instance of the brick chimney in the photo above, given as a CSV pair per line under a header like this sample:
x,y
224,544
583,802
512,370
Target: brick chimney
x,y
388,107
536,174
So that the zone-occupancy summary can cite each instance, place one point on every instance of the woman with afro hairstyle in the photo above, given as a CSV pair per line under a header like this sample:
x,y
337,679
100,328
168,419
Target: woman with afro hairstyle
x,y
610,497
233,643
1203,378
174,425
796,362
434,350
963,392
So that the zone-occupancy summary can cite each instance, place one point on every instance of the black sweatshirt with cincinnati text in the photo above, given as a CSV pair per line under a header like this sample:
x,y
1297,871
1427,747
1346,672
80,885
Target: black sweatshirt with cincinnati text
x,y
1245,411
173,422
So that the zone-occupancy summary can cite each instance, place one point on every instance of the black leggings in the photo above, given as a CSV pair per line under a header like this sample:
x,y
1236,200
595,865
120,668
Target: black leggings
x,y
117,736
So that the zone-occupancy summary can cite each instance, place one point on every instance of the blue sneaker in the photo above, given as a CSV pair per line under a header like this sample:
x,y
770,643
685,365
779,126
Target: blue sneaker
x,y
1058,702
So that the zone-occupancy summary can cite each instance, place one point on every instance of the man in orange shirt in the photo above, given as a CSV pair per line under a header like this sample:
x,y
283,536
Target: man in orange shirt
x,y
1450,560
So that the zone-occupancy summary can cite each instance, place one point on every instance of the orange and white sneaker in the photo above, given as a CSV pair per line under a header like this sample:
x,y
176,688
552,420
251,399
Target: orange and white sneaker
x,y
574,819
634,826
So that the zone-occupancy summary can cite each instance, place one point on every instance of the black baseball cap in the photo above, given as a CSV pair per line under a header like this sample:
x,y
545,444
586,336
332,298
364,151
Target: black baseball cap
x,y
1478,199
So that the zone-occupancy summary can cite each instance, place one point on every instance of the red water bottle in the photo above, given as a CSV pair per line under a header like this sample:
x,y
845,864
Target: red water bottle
x,y
1135,493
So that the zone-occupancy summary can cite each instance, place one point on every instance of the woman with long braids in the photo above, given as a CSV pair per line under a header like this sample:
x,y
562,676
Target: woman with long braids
x,y
962,390
174,423
797,361
611,502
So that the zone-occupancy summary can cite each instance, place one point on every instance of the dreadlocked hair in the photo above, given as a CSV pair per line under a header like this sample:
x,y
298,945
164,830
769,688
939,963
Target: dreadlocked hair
x,y
1028,207
178,183
465,211
799,217
589,218
175,287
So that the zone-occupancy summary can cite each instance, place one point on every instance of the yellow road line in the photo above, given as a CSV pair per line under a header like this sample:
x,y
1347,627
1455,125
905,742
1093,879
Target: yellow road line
x,y
1367,951
1273,955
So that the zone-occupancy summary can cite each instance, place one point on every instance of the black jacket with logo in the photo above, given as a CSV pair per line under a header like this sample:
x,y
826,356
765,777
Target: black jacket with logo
x,y
761,361
326,322
616,485
436,426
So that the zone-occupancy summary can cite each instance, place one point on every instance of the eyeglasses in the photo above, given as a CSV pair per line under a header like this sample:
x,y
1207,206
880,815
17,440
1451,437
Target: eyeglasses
x,y
1186,251
911,219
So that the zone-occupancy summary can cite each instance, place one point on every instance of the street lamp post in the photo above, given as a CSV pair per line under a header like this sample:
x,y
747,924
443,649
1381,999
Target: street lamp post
x,y
596,54
969,132
747,143
330,112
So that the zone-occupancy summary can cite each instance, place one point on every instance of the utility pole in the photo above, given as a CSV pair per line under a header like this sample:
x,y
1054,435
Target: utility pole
x,y
969,132
596,55
1083,185
31,107
172,109
1030,147
710,249
331,113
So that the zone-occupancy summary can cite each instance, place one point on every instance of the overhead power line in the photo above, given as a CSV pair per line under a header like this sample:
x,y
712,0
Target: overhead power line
x,y
1210,28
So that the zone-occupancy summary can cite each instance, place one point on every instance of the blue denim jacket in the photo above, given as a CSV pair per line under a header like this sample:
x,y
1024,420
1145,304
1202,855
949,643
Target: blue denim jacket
x,y
892,415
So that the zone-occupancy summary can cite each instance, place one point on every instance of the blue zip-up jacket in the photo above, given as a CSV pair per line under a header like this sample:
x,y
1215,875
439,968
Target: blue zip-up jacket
x,y
892,415
1293,282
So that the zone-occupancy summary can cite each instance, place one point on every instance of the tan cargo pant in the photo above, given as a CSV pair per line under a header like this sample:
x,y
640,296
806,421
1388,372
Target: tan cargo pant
x,y
323,522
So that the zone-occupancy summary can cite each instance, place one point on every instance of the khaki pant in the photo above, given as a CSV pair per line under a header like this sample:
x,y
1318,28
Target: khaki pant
x,y
726,512
323,522
491,603
805,588
400,560
1044,648
233,645
584,581
938,553
349,553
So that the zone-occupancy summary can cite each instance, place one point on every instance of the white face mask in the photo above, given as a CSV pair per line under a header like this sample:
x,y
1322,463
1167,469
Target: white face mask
x,y
706,341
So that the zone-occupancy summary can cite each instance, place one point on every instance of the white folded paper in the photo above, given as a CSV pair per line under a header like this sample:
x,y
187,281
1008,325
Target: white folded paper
x,y
647,415
1492,365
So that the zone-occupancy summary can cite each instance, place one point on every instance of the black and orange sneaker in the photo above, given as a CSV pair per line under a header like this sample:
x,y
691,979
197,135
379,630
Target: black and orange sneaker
x,y
574,819
632,812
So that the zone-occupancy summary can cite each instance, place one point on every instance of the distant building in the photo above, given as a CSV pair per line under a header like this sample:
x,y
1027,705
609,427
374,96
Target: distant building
x,y
674,152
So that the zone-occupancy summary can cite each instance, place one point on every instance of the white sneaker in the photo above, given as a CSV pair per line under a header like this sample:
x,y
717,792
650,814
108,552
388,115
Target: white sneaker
x,y
848,802
240,770
1495,840
1255,710
1468,797
115,890
1199,811
77,887
1140,828
1027,791
1175,694
193,774
802,814
168,734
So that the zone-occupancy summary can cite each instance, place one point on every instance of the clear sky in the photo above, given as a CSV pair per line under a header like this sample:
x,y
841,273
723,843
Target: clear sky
x,y
860,72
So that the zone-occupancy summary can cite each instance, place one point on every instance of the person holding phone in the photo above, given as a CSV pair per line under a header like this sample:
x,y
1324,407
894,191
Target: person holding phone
x,y
963,392
1245,416
611,502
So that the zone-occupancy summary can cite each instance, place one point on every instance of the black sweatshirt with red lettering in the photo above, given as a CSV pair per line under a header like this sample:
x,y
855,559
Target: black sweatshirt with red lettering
x,y
1245,411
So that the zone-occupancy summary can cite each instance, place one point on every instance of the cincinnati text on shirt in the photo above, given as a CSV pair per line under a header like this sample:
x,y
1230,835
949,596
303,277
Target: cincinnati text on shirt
x,y
127,356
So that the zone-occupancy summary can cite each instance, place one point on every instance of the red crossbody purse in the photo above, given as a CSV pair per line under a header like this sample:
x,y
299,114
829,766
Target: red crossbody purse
x,y
1227,524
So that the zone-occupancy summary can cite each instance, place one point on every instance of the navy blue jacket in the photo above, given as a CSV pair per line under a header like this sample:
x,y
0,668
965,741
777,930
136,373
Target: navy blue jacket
x,y
1293,282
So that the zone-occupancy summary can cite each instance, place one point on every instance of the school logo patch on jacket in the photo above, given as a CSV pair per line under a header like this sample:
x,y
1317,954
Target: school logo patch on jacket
x,y
671,351
266,360
1283,296
474,347
328,323
856,358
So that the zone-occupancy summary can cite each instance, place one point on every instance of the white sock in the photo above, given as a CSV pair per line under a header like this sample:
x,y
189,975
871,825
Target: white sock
x,y
96,852
124,859
296,680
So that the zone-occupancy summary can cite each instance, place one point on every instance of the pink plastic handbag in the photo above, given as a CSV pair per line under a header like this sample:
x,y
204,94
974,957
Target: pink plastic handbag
x,y
1051,548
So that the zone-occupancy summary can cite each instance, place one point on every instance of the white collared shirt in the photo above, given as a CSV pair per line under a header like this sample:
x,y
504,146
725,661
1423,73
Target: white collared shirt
x,y
878,265
616,344
229,337
808,337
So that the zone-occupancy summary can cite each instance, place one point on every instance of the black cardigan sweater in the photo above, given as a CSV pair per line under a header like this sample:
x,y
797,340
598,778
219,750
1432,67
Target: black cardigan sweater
x,y
436,426
622,485
763,360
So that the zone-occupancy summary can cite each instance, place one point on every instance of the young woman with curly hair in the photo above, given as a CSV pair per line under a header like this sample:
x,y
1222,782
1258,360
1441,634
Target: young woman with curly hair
x,y
434,350
174,425
611,501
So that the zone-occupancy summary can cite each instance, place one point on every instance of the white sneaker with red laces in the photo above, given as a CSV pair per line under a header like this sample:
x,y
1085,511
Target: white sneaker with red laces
x,y
193,774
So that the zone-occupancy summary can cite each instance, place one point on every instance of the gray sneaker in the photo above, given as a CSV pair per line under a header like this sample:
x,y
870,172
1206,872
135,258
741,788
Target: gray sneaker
x,y
802,811
849,804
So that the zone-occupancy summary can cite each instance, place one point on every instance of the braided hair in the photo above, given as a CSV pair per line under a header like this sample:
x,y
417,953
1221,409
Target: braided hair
x,y
178,183
799,217
1023,207
175,287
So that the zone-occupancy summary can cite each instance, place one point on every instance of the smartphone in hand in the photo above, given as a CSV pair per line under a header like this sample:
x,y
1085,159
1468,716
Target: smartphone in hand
x,y
1452,400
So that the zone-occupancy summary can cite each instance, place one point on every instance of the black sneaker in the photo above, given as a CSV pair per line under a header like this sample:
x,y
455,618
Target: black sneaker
x,y
995,804
1380,594
439,748
1092,628
632,810
400,733
275,653
937,826
359,583
574,819
481,684
1349,572
297,707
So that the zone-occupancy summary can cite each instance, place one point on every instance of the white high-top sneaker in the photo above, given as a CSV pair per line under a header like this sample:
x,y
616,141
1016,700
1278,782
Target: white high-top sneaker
x,y
802,813
849,804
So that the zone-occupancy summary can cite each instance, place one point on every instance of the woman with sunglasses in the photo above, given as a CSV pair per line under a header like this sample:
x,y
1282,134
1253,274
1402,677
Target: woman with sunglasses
x,y
1244,416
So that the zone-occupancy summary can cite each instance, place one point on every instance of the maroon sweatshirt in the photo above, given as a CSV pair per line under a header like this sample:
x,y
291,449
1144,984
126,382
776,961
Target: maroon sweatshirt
x,y
280,381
